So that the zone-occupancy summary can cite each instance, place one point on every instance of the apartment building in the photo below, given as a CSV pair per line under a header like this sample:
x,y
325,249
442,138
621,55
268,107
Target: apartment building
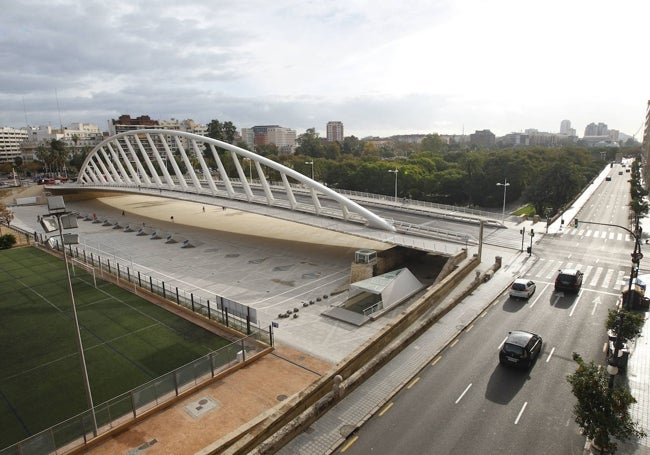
x,y
283,138
10,142
335,131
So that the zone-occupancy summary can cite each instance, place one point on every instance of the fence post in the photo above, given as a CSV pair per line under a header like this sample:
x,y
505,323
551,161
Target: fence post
x,y
209,317
192,300
151,284
118,270
226,311
85,256
92,259
139,279
178,301
243,350
133,404
211,355
128,274
248,320
108,262
164,291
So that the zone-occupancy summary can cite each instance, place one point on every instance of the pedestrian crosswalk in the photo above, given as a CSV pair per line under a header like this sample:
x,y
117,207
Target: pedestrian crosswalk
x,y
599,277
598,234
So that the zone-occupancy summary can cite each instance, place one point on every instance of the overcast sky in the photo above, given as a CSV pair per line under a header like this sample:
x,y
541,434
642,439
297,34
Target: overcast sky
x,y
380,67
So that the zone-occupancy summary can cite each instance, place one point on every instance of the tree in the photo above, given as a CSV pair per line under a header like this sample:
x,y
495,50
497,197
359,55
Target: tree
x,y
309,144
53,155
229,132
215,130
555,186
6,215
626,324
352,146
432,143
602,413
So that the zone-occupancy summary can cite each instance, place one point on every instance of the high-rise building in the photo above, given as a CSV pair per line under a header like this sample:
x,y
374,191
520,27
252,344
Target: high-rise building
x,y
10,140
599,129
565,128
335,131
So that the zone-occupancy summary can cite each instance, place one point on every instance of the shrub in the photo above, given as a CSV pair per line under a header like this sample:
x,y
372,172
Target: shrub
x,y
7,241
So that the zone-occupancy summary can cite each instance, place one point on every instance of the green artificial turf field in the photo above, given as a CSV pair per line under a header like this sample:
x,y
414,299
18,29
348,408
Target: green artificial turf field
x,y
127,342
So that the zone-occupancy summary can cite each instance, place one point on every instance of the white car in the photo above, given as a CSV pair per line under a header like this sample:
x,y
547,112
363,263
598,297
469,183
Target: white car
x,y
522,288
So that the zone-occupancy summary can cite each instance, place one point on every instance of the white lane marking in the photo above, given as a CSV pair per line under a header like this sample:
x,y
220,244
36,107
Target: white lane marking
x,y
550,354
596,303
521,412
539,295
464,392
575,304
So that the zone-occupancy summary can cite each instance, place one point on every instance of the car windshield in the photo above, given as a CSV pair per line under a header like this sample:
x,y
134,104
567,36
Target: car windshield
x,y
566,278
519,287
513,350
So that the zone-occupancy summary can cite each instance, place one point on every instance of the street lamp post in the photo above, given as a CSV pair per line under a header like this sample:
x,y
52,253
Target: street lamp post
x,y
59,218
395,171
505,186
312,168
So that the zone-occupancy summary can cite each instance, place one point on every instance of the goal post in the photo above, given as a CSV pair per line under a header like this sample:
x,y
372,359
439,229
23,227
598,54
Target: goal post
x,y
83,266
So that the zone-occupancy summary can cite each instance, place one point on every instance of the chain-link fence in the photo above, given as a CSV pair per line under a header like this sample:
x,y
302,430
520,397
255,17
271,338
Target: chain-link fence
x,y
236,316
75,432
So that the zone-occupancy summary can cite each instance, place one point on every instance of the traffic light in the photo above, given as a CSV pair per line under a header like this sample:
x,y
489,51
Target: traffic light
x,y
575,222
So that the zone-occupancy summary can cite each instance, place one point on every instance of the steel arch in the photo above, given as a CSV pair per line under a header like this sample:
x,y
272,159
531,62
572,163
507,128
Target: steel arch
x,y
139,158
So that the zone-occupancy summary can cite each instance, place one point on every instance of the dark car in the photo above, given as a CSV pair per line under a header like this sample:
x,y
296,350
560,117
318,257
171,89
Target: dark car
x,y
608,179
520,349
569,280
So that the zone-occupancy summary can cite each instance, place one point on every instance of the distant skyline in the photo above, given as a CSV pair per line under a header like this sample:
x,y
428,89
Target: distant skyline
x,y
380,67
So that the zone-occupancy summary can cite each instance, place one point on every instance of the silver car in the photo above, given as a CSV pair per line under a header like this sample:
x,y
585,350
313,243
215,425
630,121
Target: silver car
x,y
522,288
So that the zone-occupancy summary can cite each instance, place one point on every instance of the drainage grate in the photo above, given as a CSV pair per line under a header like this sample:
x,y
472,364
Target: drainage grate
x,y
141,448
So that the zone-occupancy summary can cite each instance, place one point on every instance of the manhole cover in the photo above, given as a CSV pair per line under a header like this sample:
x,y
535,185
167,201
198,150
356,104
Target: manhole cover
x,y
282,397
232,255
201,406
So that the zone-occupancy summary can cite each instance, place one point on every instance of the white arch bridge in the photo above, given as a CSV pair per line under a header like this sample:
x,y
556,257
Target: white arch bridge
x,y
176,161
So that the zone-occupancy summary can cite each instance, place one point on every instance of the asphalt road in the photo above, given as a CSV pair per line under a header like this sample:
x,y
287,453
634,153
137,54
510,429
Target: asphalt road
x,y
464,402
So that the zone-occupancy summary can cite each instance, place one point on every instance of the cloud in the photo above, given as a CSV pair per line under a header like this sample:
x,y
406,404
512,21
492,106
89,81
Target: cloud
x,y
382,67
